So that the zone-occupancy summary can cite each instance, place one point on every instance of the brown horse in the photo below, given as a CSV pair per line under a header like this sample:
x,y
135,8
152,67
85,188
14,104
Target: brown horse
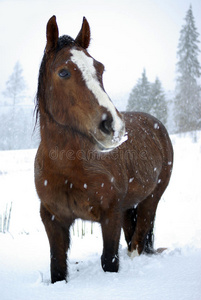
x,y
87,166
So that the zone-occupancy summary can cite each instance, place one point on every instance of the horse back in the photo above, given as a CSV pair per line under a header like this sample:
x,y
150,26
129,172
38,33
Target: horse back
x,y
146,131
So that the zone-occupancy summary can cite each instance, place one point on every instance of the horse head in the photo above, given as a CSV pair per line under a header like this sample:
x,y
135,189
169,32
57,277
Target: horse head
x,y
71,89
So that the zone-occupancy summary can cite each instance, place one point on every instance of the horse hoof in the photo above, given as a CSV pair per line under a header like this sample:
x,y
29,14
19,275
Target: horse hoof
x,y
133,253
110,264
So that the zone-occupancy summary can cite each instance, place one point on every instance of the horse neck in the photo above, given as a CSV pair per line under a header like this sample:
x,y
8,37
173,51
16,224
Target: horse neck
x,y
55,136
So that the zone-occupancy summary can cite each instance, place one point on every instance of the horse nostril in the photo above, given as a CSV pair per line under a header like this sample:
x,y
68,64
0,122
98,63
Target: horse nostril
x,y
106,126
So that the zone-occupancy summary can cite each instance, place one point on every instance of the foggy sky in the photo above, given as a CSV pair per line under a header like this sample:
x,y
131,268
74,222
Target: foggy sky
x,y
127,36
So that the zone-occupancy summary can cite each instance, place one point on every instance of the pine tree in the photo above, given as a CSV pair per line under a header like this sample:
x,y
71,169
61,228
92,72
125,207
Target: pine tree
x,y
15,86
188,97
158,102
148,97
139,97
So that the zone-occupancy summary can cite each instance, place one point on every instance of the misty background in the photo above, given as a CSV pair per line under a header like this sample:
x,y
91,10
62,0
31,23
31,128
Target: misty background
x,y
129,37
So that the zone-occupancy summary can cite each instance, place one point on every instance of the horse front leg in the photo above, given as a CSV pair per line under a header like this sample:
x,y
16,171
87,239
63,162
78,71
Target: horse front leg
x,y
111,230
142,239
59,241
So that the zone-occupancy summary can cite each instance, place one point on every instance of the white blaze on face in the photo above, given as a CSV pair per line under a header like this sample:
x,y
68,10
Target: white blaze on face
x,y
86,66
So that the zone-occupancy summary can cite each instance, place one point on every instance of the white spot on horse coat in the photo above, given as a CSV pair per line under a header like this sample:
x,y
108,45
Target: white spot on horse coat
x,y
86,66
85,186
156,126
45,183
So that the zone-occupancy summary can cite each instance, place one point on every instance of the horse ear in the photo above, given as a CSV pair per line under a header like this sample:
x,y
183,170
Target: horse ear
x,y
52,34
83,37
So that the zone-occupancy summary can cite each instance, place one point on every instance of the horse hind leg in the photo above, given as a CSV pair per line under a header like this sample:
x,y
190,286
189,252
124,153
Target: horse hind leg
x,y
129,225
143,237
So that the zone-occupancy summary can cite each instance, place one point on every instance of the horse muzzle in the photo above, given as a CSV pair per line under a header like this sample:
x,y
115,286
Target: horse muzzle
x,y
110,134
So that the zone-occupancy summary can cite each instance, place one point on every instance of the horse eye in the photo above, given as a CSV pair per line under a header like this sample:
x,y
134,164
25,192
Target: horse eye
x,y
64,73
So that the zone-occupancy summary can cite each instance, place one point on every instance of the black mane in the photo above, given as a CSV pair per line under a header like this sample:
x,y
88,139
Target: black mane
x,y
63,41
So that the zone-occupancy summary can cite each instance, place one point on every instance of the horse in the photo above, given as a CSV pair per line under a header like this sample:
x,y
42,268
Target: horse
x,y
94,162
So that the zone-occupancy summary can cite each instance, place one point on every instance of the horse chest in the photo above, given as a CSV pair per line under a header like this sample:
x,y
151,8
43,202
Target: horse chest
x,y
93,200
87,200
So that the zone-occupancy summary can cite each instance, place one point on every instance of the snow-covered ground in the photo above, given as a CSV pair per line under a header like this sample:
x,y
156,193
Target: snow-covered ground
x,y
172,275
